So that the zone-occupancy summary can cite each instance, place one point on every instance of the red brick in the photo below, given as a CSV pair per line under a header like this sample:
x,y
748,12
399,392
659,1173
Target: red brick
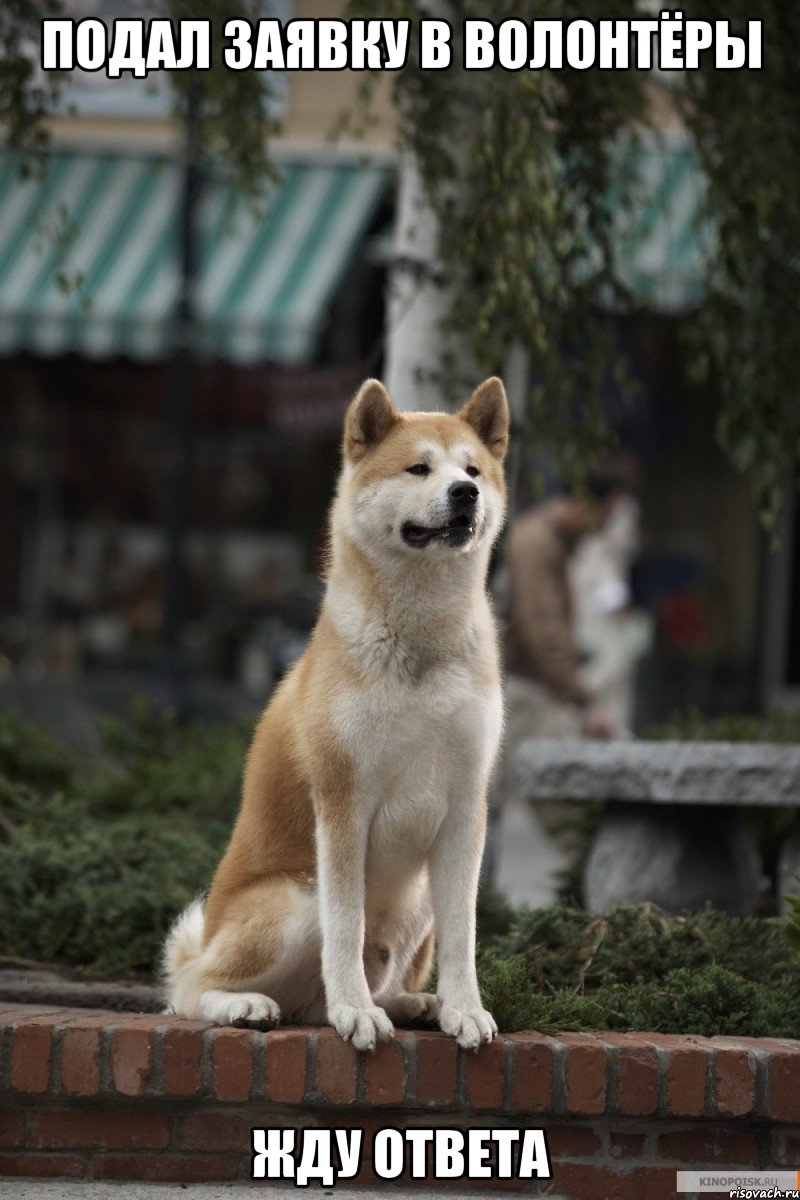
x,y
286,1065
784,1085
532,1059
734,1083
79,1017
337,1067
132,1058
514,1186
709,1146
484,1070
215,1132
751,1043
80,1061
687,1064
585,1074
637,1074
11,1014
366,1177
439,1186
675,1041
658,1183
626,1145
78,1129
232,1063
166,1168
92,1019
785,1147
585,1181
42,1166
385,1073
369,1126
572,1141
437,1063
12,1128
31,1054
770,1044
182,1049
687,1071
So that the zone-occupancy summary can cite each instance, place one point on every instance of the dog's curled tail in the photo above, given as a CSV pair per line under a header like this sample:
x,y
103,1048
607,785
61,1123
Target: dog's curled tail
x,y
182,950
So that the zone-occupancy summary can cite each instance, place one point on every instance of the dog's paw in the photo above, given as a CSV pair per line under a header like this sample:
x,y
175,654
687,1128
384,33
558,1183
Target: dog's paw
x,y
469,1026
413,1006
361,1026
250,1009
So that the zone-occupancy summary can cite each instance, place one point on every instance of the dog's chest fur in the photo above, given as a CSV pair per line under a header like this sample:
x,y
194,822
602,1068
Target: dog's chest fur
x,y
417,738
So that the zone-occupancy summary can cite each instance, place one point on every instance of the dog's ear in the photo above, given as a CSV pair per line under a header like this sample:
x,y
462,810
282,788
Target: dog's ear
x,y
369,418
487,412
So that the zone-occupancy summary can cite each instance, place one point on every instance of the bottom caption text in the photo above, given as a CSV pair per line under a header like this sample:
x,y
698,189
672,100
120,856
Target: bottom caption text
x,y
328,1155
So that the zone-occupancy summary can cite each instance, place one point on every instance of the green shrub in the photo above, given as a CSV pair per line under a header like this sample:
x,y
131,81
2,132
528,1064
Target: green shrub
x,y
567,947
95,863
96,860
637,968
30,756
710,1002
160,765
792,922
692,725
100,894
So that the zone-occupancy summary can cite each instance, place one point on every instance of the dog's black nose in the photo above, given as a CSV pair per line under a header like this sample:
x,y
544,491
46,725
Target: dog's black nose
x,y
462,494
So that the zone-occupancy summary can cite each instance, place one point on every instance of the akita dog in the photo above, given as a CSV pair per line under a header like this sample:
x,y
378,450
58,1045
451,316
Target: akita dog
x,y
363,814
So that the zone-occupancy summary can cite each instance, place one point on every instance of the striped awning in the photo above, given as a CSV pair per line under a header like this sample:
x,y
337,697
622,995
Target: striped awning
x,y
89,257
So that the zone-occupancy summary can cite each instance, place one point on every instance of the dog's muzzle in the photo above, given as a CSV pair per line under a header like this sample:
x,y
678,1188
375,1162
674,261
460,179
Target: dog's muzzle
x,y
462,498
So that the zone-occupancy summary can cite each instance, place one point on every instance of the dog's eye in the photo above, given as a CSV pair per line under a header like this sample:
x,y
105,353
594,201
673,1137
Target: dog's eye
x,y
472,471
419,469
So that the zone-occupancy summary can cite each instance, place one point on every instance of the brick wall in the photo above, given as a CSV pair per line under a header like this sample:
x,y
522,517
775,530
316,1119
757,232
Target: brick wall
x,y
102,1095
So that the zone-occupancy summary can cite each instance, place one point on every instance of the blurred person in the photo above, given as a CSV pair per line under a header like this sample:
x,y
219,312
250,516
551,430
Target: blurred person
x,y
611,634
547,695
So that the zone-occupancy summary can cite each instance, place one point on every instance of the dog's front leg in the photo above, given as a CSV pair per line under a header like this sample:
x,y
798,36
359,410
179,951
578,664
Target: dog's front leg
x,y
341,856
454,866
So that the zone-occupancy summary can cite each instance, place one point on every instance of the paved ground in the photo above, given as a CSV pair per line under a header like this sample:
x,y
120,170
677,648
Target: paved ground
x,y
527,858
54,1189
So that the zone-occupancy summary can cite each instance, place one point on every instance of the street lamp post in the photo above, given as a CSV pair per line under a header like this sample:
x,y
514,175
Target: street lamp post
x,y
182,383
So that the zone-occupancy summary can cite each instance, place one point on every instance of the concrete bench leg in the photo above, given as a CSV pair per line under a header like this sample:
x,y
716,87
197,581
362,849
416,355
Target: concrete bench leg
x,y
789,868
675,856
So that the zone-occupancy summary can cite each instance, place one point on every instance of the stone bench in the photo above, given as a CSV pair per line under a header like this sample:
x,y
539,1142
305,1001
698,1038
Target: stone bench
x,y
672,832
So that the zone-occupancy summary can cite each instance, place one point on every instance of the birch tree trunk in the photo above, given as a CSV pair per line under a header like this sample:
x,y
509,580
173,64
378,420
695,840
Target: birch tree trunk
x,y
417,300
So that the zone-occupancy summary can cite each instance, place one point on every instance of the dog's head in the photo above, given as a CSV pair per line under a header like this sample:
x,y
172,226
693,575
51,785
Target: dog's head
x,y
424,484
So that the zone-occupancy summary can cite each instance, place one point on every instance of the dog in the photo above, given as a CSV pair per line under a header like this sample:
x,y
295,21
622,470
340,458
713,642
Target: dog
x,y
363,812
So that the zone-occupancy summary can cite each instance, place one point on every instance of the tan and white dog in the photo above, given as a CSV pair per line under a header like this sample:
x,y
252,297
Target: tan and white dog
x,y
364,801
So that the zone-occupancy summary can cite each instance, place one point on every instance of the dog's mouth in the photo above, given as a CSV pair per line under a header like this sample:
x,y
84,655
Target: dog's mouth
x,y
456,532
